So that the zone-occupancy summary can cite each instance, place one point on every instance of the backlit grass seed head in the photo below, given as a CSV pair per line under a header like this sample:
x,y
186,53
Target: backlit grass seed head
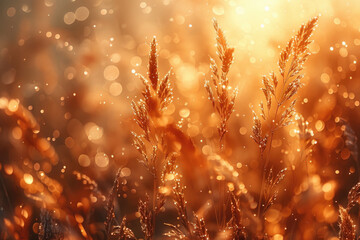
x,y
221,95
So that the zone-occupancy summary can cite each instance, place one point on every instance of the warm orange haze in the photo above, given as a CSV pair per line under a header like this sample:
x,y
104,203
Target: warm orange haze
x,y
183,119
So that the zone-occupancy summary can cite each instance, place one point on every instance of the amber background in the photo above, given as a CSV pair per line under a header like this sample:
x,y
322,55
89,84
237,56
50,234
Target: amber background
x,y
63,75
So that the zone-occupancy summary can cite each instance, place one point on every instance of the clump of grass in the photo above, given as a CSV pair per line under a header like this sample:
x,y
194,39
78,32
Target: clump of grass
x,y
221,94
280,96
158,160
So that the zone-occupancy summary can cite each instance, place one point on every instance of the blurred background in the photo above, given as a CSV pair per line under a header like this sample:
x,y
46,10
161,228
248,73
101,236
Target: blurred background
x,y
71,64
